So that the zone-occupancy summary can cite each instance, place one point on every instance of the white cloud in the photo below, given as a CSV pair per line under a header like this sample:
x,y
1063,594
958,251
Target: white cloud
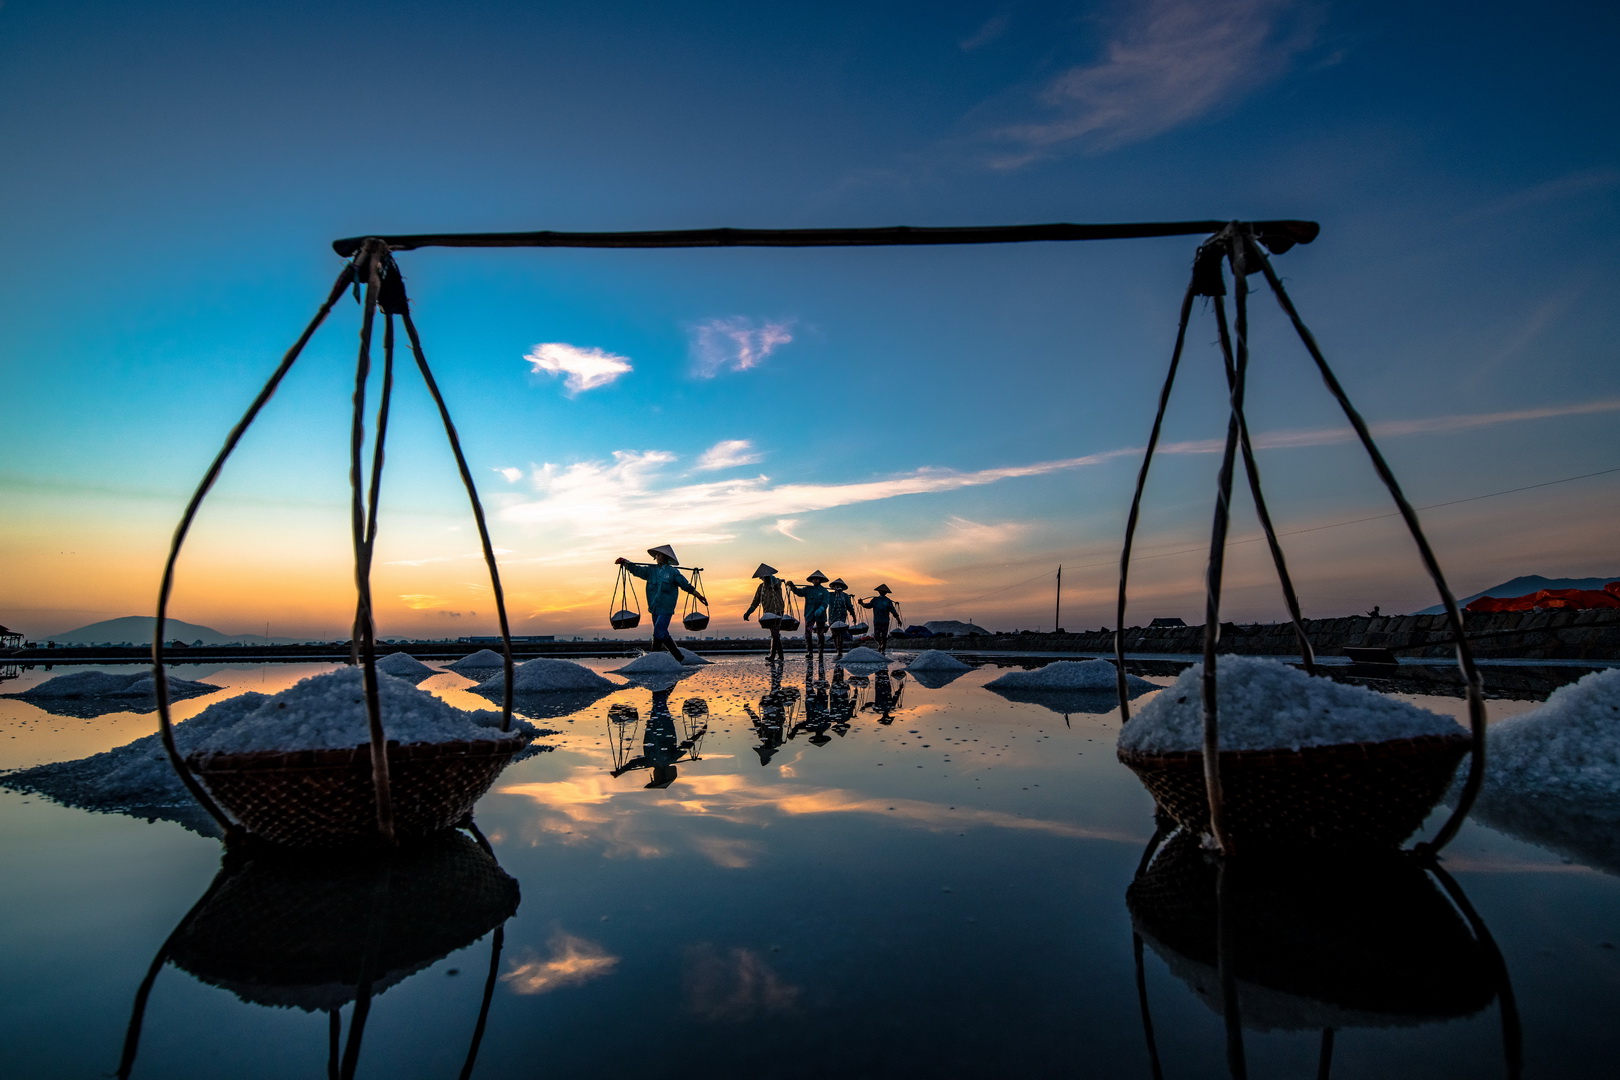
x,y
729,454
1169,63
585,369
599,503
512,475
735,343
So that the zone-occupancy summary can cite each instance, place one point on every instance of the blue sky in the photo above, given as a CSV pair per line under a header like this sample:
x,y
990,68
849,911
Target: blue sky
x,y
951,420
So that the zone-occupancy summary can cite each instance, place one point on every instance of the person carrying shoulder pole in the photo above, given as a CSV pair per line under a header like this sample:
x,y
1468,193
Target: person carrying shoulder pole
x,y
665,583
768,599
882,609
840,609
815,609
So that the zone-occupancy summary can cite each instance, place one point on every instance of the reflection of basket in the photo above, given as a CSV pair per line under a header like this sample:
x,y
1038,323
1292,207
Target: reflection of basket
x,y
1349,795
295,931
324,798
1361,940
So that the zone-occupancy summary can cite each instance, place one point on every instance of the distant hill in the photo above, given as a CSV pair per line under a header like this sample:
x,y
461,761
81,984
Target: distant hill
x,y
1523,586
138,629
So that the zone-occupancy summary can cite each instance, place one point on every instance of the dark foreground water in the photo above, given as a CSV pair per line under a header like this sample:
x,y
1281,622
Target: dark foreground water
x,y
906,882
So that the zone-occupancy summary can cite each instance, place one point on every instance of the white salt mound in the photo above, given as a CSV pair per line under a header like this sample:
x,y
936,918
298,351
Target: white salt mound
x,y
692,659
545,674
653,663
95,684
934,660
863,655
328,712
482,660
1069,675
1568,749
1267,705
403,665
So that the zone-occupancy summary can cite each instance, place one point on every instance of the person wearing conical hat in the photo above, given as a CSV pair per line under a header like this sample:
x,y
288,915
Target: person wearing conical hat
x,y
815,608
769,599
840,613
882,609
665,583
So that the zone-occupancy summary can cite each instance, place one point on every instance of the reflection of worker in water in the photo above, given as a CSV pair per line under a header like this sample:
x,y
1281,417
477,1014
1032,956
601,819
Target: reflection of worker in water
x,y
817,706
841,703
815,608
665,583
661,747
885,697
770,722
882,610
768,599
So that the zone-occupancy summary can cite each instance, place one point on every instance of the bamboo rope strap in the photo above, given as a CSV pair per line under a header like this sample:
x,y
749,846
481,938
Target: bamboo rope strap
x,y
159,677
363,650
1465,654
472,497
1278,235
384,405
1136,498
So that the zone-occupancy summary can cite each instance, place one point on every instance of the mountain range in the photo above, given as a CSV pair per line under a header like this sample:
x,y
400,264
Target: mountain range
x,y
137,629
1523,586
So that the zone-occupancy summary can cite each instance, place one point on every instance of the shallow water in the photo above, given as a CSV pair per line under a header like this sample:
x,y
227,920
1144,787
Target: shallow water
x,y
911,881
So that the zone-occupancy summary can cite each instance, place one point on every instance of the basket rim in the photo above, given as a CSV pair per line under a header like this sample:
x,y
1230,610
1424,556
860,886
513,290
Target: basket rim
x,y
1387,748
348,756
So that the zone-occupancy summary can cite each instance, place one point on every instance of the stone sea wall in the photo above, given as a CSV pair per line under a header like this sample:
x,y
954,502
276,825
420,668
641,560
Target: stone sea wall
x,y
1535,635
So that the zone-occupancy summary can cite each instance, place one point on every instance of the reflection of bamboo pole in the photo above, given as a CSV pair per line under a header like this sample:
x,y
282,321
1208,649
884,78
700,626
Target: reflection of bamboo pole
x,y
497,943
1512,1034
334,1033
137,1016
1142,1003
159,676
1324,1057
1226,962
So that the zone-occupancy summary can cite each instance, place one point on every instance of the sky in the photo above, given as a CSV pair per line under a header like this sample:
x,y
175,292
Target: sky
x,y
956,422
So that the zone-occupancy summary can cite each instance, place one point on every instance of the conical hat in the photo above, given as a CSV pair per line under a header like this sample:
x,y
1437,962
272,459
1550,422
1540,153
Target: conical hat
x,y
664,550
817,576
837,583
765,570
883,589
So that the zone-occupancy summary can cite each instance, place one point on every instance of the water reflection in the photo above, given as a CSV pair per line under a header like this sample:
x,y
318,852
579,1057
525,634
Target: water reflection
x,y
886,694
1314,943
1067,703
661,746
321,932
777,707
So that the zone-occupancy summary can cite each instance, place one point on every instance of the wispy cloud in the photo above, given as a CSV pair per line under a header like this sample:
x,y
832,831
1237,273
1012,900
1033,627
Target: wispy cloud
x,y
1168,63
1554,190
735,343
421,601
583,369
600,502
990,30
573,960
512,475
729,454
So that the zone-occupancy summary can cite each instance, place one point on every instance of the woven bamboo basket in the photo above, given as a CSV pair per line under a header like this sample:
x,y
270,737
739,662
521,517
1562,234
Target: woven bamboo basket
x,y
1358,939
324,798
1348,795
302,932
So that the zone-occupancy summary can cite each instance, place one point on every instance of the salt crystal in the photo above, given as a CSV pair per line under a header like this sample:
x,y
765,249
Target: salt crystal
x,y
1068,675
934,660
96,684
545,674
482,660
1267,705
1569,748
863,655
404,666
657,663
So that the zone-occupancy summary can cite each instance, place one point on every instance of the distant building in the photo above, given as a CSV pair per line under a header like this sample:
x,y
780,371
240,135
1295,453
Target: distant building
x,y
9,638
954,628
1166,622
487,639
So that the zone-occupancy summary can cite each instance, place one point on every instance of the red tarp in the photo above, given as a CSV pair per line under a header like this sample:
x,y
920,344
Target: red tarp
x,y
1553,600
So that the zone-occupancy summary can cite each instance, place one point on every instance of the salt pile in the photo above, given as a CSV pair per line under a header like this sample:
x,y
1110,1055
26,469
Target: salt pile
x,y
692,659
1569,749
655,663
482,660
863,655
934,660
404,666
1264,705
95,684
1069,675
541,675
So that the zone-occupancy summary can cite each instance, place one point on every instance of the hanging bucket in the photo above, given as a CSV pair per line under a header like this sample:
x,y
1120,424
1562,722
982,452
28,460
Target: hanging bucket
x,y
1351,795
841,624
771,621
790,618
859,628
621,602
695,619
325,798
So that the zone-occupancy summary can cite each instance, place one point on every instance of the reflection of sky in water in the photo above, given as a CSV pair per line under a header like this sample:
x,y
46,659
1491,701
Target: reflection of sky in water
x,y
932,885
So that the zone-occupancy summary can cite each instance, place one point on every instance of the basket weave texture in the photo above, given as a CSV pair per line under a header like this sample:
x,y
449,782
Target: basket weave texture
x,y
1348,795
301,931
324,798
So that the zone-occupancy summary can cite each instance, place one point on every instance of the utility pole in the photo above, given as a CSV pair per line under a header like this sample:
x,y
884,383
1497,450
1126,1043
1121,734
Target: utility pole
x,y
1057,607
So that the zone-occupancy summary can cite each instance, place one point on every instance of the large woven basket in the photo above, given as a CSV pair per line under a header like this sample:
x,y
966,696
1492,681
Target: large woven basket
x,y
1348,795
324,798
1351,939
302,931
